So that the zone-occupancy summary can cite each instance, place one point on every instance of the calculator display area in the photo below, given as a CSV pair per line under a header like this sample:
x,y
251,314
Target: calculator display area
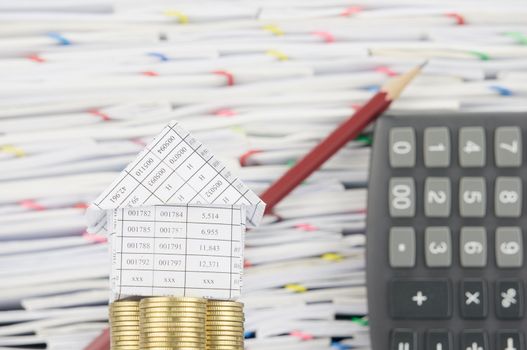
x,y
446,231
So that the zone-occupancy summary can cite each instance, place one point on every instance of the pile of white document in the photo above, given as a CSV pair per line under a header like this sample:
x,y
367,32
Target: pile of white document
x,y
87,84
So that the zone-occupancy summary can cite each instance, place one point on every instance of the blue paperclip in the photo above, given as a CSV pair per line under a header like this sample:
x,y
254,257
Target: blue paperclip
x,y
59,38
503,91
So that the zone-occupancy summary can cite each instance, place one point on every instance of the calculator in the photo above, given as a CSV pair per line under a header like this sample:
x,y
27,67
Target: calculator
x,y
445,230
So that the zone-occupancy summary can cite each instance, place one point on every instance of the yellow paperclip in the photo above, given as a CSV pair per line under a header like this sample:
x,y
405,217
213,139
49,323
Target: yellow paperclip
x,y
332,257
181,17
273,29
278,54
297,288
10,149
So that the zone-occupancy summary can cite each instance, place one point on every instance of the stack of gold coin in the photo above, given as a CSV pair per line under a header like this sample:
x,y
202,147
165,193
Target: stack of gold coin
x,y
172,323
124,325
224,325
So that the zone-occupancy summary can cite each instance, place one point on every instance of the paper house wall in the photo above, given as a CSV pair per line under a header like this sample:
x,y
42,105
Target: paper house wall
x,y
176,220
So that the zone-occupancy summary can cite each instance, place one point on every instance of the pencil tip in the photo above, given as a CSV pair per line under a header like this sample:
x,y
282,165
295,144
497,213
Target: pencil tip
x,y
395,86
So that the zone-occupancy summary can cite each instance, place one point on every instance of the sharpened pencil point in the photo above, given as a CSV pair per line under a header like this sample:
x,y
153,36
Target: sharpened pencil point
x,y
395,86
422,65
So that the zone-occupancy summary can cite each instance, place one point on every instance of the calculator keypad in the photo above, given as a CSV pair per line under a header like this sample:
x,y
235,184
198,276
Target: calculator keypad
x,y
446,205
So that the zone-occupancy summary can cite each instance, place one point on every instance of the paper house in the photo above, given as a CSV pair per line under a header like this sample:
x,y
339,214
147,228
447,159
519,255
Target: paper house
x,y
176,220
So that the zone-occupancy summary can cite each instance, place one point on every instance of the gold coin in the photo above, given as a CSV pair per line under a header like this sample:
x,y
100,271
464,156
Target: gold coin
x,y
118,323
174,318
172,329
127,326
224,312
124,303
220,319
169,298
171,343
123,307
224,302
129,319
123,311
169,347
214,332
172,305
224,342
173,312
126,342
125,338
174,325
175,308
220,309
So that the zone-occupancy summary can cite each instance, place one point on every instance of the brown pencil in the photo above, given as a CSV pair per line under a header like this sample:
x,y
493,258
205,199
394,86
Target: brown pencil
x,y
346,132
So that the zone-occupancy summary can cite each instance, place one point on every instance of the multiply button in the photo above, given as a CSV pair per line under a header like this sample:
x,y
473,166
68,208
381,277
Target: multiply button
x,y
474,340
510,340
509,299
403,339
420,299
473,299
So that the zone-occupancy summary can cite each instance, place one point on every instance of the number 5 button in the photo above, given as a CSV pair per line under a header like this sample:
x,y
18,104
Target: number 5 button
x,y
508,146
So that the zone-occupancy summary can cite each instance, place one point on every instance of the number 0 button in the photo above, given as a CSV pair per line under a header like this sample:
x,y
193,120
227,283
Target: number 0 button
x,y
402,147
402,197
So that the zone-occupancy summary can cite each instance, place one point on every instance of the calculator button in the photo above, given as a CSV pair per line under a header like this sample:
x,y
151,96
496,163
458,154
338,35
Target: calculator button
x,y
439,339
420,299
472,197
402,147
437,197
402,247
510,340
508,146
472,147
438,247
437,147
473,247
509,299
509,247
473,299
474,340
402,197
403,339
508,197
